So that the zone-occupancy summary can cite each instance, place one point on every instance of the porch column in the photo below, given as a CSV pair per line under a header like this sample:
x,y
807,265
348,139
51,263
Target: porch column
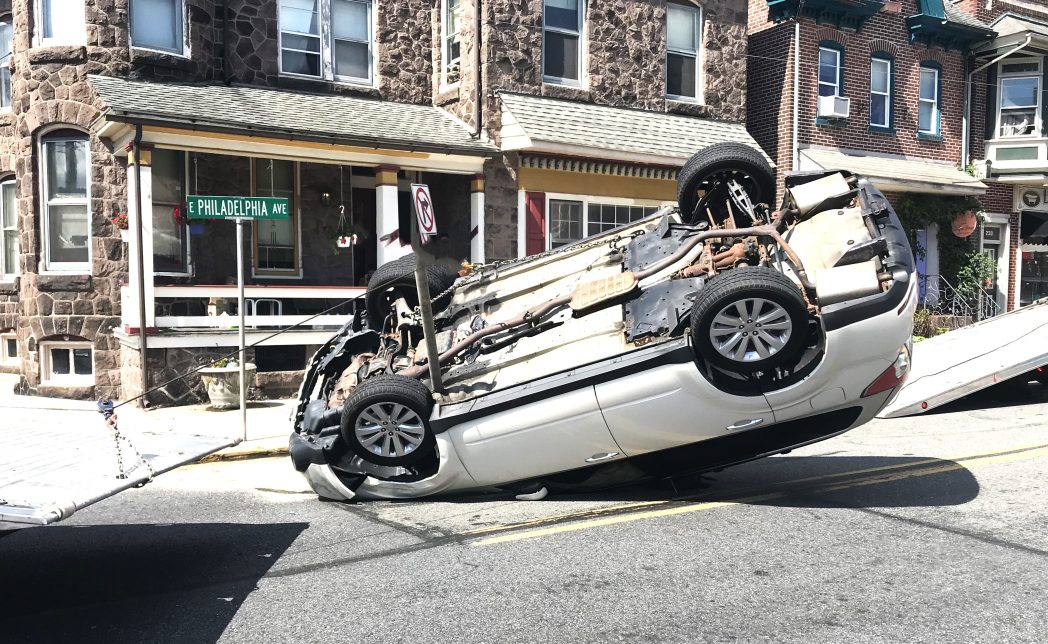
x,y
129,310
476,220
387,217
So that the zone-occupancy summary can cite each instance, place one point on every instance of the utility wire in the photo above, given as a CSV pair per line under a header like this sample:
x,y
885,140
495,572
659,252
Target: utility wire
x,y
236,352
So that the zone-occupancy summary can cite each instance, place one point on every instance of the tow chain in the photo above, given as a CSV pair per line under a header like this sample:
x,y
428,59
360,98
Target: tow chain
x,y
105,407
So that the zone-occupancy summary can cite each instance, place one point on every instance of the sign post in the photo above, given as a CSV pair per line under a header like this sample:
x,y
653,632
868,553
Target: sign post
x,y
240,210
424,226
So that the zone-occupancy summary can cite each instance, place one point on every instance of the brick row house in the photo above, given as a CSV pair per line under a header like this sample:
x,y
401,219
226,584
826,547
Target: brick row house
x,y
1009,134
880,88
535,123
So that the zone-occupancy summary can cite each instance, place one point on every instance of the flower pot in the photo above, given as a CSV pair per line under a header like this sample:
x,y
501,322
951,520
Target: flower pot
x,y
223,385
125,235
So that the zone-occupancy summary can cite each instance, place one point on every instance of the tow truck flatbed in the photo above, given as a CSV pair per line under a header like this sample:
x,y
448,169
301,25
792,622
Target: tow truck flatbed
x,y
49,470
962,362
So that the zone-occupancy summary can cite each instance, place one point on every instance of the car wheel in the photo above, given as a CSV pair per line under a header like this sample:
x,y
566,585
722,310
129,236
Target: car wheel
x,y
385,421
399,276
750,319
720,163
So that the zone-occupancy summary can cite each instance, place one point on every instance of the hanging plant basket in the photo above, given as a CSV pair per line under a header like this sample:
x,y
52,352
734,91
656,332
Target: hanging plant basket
x,y
964,224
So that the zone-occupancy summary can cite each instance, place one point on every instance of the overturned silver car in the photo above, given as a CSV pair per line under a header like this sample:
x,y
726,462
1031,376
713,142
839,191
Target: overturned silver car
x,y
705,335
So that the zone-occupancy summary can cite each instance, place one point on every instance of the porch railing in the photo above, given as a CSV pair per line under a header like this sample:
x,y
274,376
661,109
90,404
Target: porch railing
x,y
215,306
966,301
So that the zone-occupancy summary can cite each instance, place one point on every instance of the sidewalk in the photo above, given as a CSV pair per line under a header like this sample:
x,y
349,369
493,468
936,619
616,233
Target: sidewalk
x,y
268,425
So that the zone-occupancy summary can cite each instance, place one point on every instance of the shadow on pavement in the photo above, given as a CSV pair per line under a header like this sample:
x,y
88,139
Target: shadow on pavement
x,y
133,583
796,481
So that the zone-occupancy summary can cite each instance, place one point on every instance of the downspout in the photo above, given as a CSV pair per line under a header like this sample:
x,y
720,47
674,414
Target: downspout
x,y
966,112
795,163
477,42
136,150
227,74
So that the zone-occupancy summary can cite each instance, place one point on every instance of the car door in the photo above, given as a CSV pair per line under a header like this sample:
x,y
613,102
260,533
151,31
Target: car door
x,y
672,405
550,434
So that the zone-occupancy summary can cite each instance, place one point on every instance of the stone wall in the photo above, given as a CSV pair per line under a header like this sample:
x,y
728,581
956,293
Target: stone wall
x,y
624,53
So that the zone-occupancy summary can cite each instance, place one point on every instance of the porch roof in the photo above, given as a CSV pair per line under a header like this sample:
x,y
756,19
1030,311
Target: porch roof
x,y
258,111
557,126
896,174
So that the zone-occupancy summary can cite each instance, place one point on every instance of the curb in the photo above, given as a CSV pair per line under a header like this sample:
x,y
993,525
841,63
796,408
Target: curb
x,y
219,457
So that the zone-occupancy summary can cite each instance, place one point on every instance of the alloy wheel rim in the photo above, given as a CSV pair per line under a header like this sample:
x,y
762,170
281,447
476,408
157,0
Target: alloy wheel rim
x,y
751,330
389,429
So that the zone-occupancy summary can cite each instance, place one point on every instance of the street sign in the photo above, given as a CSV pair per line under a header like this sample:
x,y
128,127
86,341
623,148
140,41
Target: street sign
x,y
423,203
209,207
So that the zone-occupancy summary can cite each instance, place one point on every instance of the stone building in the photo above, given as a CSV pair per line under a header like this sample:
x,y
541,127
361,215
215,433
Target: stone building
x,y
534,122
878,88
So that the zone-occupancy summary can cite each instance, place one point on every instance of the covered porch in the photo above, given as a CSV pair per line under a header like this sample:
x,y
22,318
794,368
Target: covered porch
x,y
345,164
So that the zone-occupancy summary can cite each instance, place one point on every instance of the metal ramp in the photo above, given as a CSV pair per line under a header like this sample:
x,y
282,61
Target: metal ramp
x,y
961,362
49,470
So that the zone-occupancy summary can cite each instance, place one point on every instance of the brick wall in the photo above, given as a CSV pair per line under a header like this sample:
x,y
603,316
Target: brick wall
x,y
770,101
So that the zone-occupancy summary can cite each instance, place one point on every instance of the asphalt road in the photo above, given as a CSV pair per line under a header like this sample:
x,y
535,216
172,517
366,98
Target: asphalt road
x,y
932,528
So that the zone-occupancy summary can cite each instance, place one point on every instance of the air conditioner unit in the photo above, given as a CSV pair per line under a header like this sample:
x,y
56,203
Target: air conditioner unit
x,y
834,107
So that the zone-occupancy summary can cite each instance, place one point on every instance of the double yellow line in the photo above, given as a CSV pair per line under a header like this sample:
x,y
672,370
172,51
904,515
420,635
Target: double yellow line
x,y
630,512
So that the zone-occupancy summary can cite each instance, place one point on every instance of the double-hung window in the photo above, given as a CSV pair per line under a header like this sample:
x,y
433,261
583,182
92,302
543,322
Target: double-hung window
x,y
327,39
1019,107
683,43
276,240
452,24
829,71
573,219
170,241
60,22
8,231
5,63
880,92
928,102
66,201
562,41
158,24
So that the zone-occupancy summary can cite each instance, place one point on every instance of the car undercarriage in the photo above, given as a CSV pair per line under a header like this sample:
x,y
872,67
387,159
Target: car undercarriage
x,y
746,287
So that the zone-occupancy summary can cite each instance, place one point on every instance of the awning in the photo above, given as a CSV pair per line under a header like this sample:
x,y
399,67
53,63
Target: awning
x,y
385,131
895,174
555,126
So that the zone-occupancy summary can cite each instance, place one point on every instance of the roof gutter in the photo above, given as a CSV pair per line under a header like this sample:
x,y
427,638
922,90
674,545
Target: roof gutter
x,y
375,144
966,112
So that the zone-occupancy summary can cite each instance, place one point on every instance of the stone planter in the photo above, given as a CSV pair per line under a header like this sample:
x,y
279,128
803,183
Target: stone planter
x,y
223,385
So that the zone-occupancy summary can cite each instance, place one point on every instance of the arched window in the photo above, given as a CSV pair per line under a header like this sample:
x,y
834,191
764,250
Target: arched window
x,y
66,199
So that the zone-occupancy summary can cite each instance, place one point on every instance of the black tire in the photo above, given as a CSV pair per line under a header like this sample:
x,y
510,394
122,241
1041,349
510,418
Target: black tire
x,y
383,398
783,307
399,275
743,162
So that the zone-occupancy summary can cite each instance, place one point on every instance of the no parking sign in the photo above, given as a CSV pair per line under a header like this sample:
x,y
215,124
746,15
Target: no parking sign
x,y
423,204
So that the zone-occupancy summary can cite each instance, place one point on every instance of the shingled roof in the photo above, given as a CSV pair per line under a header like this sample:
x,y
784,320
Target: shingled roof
x,y
258,110
542,123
